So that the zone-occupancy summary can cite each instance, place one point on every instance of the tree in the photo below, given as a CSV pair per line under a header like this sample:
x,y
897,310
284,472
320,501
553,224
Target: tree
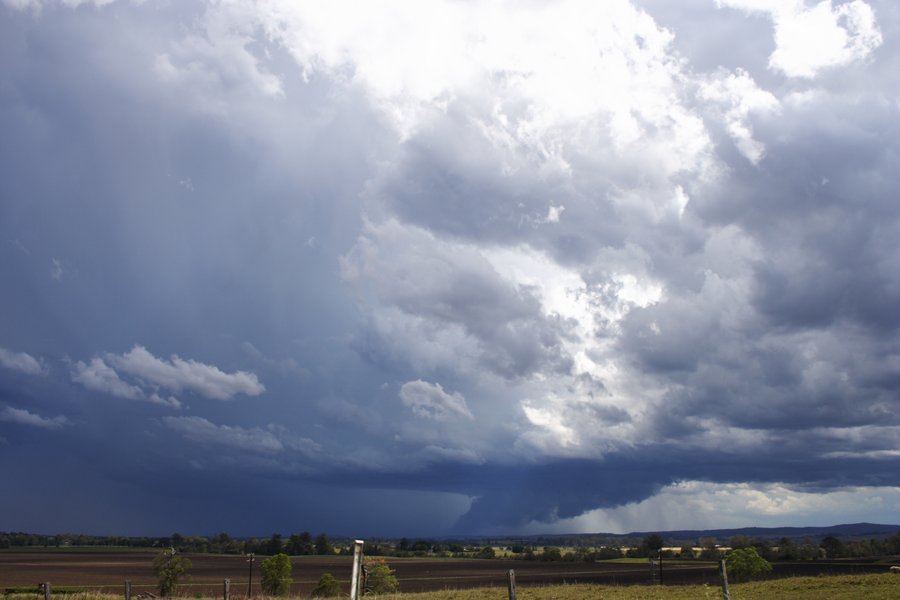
x,y
274,545
323,546
276,575
170,568
745,564
328,587
380,578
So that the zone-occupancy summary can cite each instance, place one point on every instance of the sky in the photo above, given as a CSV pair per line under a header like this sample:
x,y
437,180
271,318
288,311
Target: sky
x,y
440,268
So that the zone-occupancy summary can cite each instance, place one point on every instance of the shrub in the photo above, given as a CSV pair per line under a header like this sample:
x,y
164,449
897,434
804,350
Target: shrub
x,y
745,564
170,568
276,575
328,587
380,578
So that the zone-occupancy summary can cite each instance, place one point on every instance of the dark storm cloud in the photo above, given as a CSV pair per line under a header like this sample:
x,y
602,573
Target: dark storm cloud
x,y
527,288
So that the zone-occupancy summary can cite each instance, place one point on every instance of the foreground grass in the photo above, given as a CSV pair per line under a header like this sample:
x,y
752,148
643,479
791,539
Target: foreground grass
x,y
880,586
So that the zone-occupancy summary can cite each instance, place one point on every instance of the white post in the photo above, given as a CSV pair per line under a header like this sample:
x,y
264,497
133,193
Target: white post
x,y
357,560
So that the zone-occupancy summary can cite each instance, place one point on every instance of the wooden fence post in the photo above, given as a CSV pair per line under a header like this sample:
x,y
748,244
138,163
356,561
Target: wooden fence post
x,y
726,594
127,589
46,590
511,578
357,560
227,592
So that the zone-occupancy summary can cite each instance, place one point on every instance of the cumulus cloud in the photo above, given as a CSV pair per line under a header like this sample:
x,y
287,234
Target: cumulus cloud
x,y
20,361
808,40
178,375
147,375
23,417
431,401
738,97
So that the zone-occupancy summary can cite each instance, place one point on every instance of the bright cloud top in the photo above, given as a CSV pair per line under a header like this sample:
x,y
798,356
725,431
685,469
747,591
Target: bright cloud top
x,y
809,40
20,361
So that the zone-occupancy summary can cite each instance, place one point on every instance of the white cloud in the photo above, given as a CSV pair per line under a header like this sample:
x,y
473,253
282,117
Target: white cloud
x,y
737,97
431,401
722,505
23,417
178,374
100,377
808,40
20,361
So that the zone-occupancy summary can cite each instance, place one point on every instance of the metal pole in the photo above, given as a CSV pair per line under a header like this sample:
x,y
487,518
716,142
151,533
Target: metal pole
x,y
354,578
127,589
250,578
227,591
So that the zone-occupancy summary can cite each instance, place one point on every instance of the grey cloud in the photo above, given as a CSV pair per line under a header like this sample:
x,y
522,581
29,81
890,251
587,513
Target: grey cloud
x,y
431,401
23,417
454,301
20,361
201,430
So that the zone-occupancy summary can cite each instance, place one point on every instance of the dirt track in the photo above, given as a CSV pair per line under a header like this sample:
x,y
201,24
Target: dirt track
x,y
109,570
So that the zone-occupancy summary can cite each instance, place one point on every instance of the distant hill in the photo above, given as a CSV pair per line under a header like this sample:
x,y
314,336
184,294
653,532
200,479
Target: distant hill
x,y
847,531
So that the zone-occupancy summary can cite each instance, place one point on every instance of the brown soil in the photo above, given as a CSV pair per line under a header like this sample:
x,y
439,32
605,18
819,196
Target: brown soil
x,y
107,571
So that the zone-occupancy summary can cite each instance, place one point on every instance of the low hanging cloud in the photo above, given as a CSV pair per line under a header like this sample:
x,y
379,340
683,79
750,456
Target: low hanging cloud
x,y
147,375
178,375
23,417
100,377
429,400
20,361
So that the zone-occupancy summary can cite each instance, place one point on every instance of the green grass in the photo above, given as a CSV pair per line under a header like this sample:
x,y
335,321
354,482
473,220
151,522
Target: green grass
x,y
882,586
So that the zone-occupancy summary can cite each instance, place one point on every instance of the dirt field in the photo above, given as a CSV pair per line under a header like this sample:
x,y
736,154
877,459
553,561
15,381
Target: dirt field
x,y
107,572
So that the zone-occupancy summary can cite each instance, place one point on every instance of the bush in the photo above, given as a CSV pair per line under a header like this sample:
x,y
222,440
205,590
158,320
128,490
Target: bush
x,y
380,578
170,568
745,564
276,575
328,587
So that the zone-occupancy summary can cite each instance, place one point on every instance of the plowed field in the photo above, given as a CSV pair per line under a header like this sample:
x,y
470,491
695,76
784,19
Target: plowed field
x,y
107,571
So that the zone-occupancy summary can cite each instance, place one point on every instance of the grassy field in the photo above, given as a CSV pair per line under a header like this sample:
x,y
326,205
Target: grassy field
x,y
834,587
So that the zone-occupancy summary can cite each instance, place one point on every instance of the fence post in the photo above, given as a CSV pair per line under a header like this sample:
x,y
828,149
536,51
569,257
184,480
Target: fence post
x,y
511,578
227,593
354,578
726,594
46,587
127,589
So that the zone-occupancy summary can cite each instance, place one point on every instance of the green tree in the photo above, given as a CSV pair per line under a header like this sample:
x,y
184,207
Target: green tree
x,y
745,564
380,578
323,546
274,545
170,568
328,587
276,575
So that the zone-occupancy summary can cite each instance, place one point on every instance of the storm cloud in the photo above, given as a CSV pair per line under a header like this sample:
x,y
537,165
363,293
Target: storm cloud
x,y
488,266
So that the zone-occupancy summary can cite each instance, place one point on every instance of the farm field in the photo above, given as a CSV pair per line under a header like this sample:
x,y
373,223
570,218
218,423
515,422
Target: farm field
x,y
107,572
